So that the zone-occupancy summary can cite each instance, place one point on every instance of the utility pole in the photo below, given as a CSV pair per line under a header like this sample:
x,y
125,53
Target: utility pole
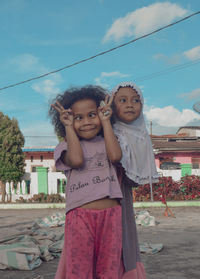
x,y
151,128
151,187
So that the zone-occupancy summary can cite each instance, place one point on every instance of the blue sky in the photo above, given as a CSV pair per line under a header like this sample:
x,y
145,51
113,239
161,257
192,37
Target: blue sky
x,y
41,36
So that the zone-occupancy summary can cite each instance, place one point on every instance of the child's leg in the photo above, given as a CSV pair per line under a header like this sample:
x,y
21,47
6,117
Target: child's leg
x,y
108,243
61,269
79,246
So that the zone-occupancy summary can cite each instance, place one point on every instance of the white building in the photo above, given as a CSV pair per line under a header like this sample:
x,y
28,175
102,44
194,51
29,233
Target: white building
x,y
40,175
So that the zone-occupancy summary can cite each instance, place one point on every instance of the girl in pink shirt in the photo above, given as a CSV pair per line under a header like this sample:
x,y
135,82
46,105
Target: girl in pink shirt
x,y
93,228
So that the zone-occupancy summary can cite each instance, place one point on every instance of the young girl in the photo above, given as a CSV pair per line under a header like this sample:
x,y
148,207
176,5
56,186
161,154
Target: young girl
x,y
137,167
93,237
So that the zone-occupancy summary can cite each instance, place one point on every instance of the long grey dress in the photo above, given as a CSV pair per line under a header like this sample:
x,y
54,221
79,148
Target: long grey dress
x,y
131,251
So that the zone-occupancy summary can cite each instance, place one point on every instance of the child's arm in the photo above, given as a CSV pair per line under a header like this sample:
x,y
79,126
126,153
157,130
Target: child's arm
x,y
73,157
113,148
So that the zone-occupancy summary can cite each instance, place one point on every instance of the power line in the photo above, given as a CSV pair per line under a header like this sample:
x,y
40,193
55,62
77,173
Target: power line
x,y
101,53
141,78
168,70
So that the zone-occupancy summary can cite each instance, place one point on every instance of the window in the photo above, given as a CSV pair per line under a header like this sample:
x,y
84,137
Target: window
x,y
61,184
41,158
165,160
31,158
28,184
58,186
33,169
170,166
195,166
195,163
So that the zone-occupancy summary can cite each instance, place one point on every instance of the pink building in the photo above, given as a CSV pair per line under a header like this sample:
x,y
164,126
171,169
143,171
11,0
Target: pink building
x,y
183,147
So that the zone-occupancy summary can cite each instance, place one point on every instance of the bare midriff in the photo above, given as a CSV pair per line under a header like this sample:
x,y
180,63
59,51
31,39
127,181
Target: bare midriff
x,y
101,204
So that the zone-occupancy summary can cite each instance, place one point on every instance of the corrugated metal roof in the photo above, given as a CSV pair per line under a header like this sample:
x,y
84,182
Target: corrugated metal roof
x,y
38,149
176,145
189,127
182,135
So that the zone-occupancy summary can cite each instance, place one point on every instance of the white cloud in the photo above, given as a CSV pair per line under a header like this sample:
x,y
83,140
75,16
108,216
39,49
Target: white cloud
x,y
27,63
193,53
170,116
46,87
99,82
113,74
144,20
104,78
194,94
30,64
172,60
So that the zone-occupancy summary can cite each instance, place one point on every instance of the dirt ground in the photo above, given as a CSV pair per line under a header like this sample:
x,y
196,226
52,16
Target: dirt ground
x,y
179,259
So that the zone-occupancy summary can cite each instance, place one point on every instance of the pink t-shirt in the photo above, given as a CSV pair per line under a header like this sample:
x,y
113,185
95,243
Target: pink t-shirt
x,y
97,178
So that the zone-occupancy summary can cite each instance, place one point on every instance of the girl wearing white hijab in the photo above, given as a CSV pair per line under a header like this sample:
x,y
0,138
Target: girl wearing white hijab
x,y
138,167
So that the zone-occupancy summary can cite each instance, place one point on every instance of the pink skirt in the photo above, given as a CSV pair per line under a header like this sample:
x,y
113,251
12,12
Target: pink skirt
x,y
137,273
103,218
93,244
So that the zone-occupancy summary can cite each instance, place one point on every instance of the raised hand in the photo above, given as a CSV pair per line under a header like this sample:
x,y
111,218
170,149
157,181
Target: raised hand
x,y
105,110
66,116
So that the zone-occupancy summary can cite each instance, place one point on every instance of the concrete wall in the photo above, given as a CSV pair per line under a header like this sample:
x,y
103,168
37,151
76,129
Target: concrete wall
x,y
176,174
52,181
183,159
195,171
48,163
157,162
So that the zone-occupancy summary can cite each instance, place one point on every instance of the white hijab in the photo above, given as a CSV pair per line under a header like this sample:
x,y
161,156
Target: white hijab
x,y
137,153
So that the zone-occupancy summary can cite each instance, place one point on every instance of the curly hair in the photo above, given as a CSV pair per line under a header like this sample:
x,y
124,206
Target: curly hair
x,y
69,97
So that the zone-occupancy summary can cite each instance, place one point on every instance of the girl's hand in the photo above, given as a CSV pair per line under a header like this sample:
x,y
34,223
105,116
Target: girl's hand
x,y
66,116
105,110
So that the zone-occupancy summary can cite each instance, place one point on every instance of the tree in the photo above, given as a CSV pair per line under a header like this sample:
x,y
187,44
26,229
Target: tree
x,y
11,154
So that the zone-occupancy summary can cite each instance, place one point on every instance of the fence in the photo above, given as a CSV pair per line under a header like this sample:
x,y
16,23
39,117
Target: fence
x,y
55,182
31,185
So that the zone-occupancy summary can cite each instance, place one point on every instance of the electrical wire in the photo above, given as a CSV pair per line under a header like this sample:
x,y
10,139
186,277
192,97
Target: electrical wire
x,y
141,78
168,70
101,53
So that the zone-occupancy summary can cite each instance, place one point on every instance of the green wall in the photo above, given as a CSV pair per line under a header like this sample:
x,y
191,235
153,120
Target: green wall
x,y
186,169
42,179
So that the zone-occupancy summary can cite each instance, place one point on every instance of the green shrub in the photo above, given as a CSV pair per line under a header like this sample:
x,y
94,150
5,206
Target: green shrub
x,y
43,198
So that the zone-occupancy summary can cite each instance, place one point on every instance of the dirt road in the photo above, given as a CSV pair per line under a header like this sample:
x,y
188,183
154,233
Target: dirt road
x,y
179,259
